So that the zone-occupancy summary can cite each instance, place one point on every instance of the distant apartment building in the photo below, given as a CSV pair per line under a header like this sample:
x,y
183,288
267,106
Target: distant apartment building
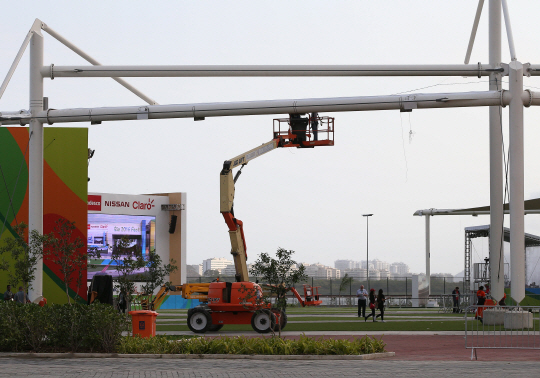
x,y
228,271
400,269
216,264
196,270
322,271
344,264
358,274
380,265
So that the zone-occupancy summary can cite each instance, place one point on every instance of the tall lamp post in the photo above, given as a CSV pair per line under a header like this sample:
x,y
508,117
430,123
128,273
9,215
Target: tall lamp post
x,y
367,245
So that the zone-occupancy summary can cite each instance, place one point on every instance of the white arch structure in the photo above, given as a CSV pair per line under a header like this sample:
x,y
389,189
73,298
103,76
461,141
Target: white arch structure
x,y
516,98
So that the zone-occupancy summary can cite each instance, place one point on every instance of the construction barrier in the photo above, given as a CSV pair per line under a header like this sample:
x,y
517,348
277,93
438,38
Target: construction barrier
x,y
507,327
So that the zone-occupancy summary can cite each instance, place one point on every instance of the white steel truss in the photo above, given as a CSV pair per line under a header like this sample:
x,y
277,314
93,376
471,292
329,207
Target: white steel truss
x,y
516,98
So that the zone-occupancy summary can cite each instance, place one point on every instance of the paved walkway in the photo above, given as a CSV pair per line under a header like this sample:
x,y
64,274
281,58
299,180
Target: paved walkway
x,y
139,368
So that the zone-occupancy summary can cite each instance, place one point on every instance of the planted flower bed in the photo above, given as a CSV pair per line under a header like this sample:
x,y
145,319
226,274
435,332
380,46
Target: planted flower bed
x,y
244,345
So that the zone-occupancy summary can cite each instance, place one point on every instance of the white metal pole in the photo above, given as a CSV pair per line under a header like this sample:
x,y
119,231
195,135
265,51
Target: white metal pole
x,y
473,31
428,253
509,34
496,197
89,59
266,70
517,230
224,109
35,169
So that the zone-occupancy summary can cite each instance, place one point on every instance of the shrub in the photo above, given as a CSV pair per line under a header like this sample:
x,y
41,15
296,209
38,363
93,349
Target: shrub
x,y
73,328
243,345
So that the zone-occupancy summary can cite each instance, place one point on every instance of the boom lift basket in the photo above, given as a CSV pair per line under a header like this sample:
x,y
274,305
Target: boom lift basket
x,y
320,135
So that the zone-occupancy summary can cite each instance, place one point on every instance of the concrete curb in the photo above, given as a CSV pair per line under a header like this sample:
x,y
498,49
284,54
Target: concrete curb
x,y
372,356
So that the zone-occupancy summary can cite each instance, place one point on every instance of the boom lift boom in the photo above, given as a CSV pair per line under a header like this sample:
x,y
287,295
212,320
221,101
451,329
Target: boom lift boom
x,y
237,302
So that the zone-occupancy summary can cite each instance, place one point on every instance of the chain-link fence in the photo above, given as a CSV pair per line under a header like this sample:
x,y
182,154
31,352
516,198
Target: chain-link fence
x,y
397,286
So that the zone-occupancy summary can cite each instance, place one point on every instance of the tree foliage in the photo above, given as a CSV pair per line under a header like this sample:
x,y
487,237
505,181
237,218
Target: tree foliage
x,y
69,253
21,268
155,273
279,274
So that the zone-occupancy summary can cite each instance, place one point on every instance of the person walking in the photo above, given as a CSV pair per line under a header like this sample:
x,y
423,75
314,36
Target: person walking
x,y
362,295
372,305
21,296
455,298
8,295
481,300
380,304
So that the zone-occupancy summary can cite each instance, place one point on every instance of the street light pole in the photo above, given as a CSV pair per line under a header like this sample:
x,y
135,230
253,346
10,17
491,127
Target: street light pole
x,y
367,245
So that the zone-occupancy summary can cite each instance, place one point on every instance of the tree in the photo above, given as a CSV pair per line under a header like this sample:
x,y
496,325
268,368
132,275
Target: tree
x,y
345,281
24,255
69,253
279,275
128,260
155,273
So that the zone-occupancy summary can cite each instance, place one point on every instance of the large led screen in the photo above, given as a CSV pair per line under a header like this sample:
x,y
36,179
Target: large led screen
x,y
105,231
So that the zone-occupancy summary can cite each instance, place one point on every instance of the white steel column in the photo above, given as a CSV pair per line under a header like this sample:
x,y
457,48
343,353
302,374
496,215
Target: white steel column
x,y
517,230
496,200
35,170
428,253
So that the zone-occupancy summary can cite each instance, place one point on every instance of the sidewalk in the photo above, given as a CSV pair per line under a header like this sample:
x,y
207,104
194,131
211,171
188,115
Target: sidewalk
x,y
411,346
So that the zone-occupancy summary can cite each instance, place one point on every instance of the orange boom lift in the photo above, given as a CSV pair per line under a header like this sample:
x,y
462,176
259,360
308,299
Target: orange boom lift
x,y
237,302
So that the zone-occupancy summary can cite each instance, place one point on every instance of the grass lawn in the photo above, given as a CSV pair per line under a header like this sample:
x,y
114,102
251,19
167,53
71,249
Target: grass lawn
x,y
345,326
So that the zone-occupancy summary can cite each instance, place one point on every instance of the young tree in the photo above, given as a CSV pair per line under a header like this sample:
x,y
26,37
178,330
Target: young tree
x,y
68,252
128,260
155,273
280,276
345,281
24,255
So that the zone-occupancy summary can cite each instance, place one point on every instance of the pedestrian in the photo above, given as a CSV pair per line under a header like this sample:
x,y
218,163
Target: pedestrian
x,y
8,295
21,296
380,304
455,298
362,295
122,302
372,301
481,299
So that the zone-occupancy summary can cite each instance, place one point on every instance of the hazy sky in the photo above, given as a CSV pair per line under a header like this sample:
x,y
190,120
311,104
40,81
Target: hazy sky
x,y
386,163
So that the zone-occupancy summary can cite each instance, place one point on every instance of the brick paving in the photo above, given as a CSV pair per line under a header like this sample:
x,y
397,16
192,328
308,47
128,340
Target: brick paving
x,y
142,368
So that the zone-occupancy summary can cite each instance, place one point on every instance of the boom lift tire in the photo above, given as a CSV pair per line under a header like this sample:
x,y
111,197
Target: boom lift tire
x,y
199,320
263,321
282,316
215,327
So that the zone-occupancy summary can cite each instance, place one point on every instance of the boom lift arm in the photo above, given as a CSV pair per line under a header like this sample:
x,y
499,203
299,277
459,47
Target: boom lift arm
x,y
297,132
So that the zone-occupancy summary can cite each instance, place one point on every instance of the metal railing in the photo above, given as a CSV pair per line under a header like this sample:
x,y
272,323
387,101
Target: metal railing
x,y
495,327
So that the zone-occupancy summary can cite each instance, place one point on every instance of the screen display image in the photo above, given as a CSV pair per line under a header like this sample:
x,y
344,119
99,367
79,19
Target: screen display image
x,y
106,231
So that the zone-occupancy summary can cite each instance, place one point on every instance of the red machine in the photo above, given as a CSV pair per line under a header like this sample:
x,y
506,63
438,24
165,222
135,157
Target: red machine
x,y
241,302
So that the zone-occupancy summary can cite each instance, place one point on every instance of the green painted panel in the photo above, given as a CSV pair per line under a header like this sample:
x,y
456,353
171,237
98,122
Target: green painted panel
x,y
53,288
73,142
13,176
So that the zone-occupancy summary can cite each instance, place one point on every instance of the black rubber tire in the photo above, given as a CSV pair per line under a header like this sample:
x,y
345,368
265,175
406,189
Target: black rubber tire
x,y
199,320
282,316
263,321
215,327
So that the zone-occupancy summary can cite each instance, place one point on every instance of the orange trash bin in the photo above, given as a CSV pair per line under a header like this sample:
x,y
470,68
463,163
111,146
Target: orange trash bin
x,y
143,323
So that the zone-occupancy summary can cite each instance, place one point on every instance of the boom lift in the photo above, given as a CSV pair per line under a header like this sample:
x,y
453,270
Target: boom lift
x,y
236,302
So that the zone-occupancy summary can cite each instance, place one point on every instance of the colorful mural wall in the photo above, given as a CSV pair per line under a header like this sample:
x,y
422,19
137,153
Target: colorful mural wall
x,y
64,193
